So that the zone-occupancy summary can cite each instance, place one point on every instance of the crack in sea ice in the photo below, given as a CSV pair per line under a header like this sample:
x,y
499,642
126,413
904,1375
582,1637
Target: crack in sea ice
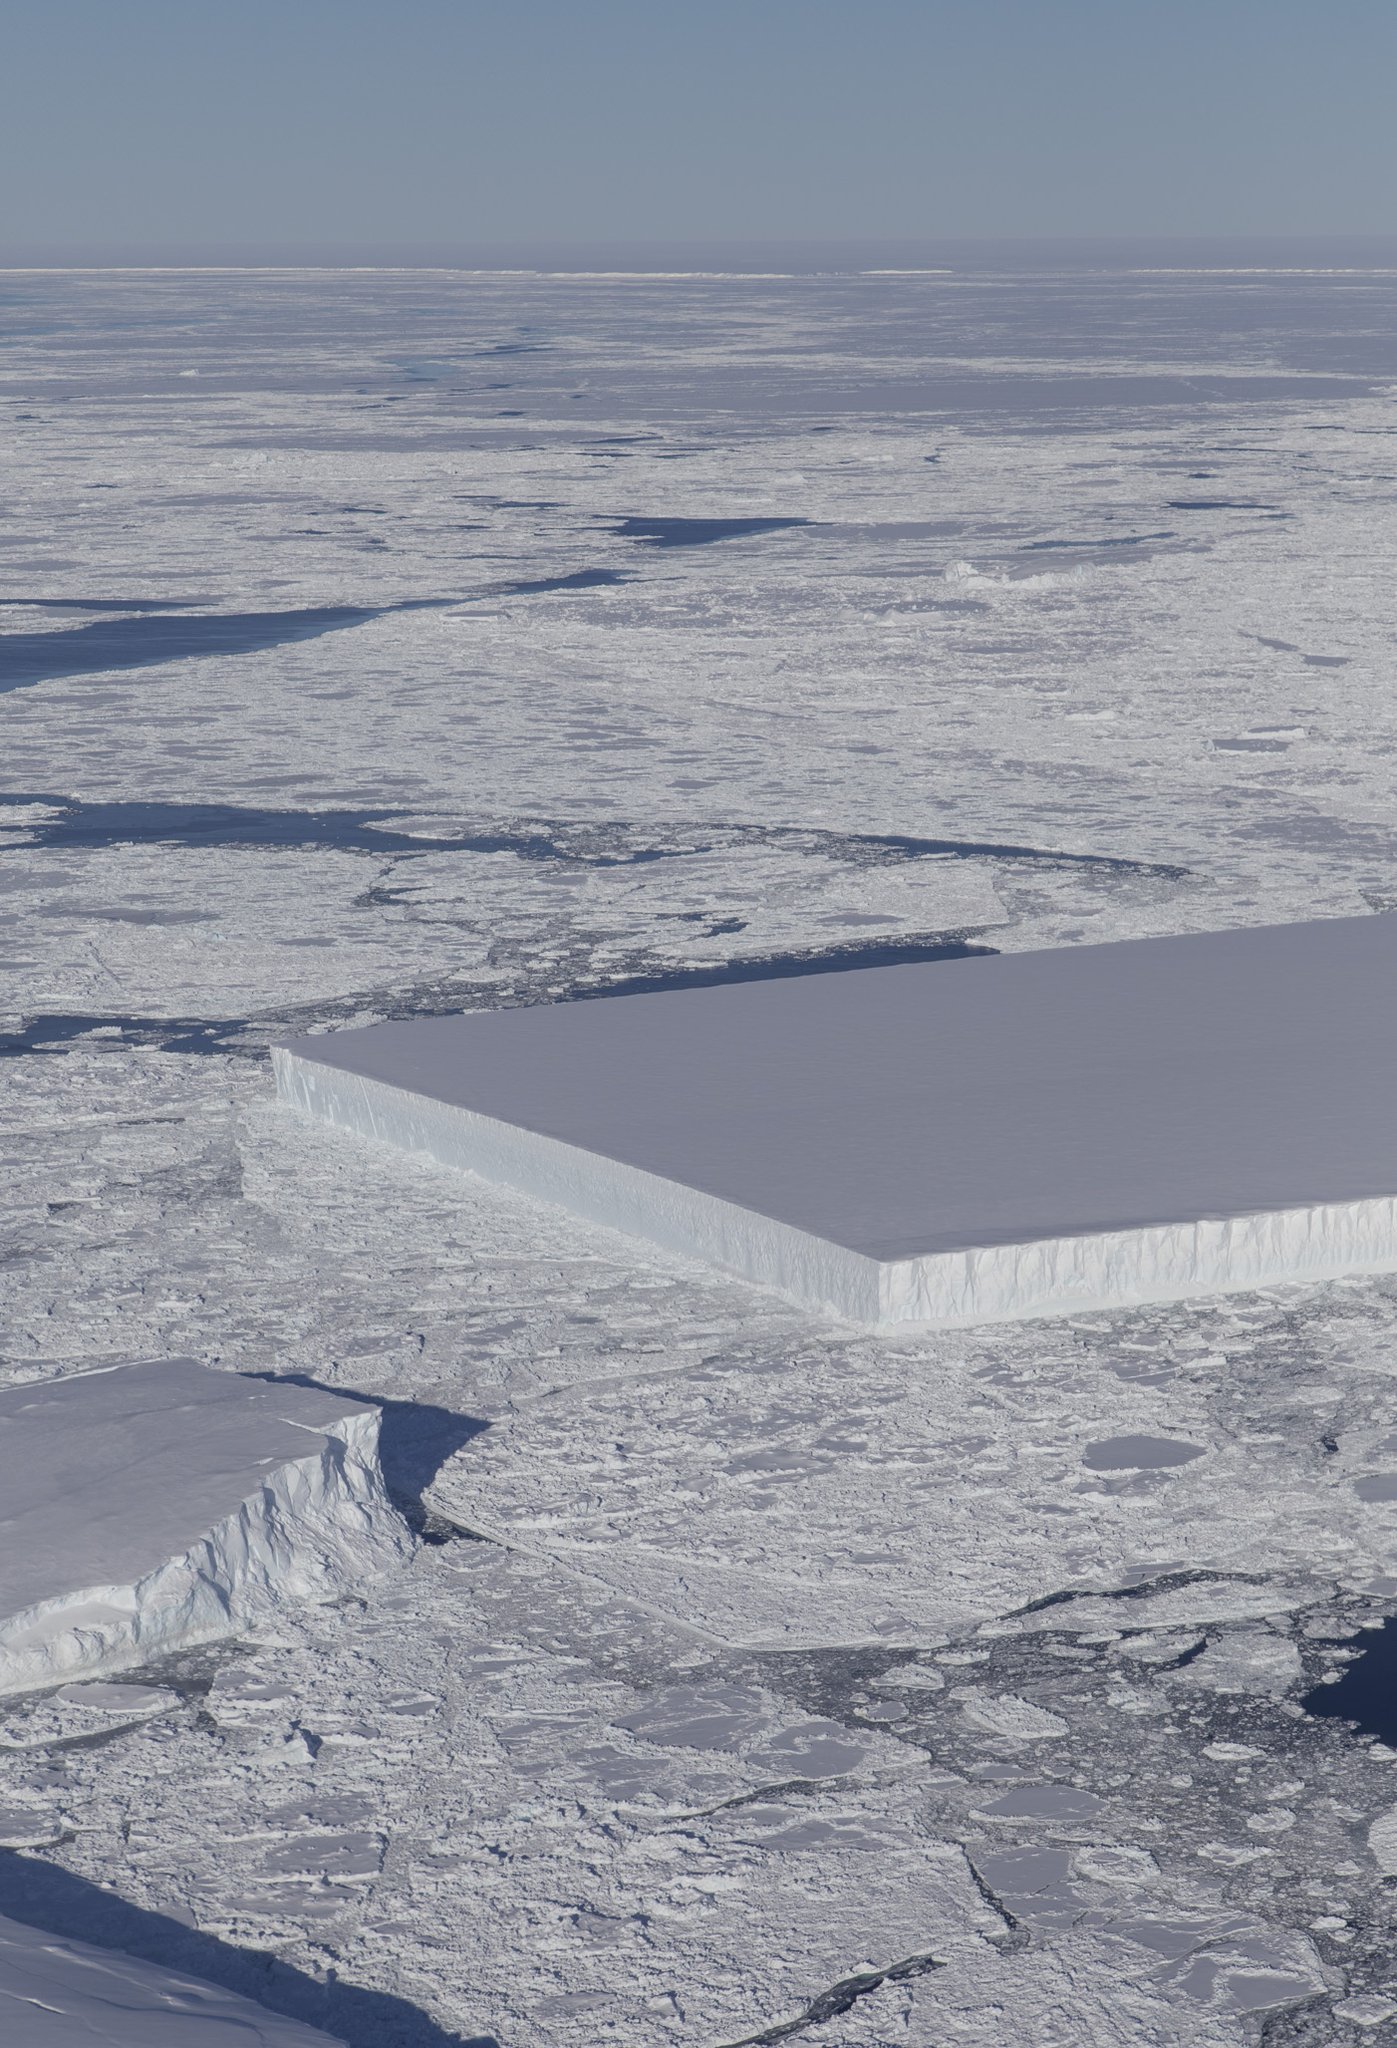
x,y
1016,1935
839,1998
79,823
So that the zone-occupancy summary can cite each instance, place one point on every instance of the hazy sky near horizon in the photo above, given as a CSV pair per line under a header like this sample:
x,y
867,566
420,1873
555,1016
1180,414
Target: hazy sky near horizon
x,y
357,124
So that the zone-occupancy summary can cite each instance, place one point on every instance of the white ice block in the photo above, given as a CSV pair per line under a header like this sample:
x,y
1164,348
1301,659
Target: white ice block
x,y
59,1993
152,1505
956,1142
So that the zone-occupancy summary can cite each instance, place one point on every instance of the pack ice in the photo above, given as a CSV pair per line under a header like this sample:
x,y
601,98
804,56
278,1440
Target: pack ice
x,y
953,1142
57,1993
157,1504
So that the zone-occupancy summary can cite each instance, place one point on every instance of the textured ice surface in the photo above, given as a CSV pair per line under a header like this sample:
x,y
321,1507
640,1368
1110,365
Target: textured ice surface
x,y
153,1505
847,1493
954,1142
498,1794
57,1993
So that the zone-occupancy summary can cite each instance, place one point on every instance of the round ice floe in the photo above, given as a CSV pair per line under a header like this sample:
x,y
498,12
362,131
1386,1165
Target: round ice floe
x,y
1139,1453
1161,1649
1042,1802
700,1717
1376,1486
77,1710
122,1700
910,1678
1369,2009
1272,1820
1114,1864
816,1749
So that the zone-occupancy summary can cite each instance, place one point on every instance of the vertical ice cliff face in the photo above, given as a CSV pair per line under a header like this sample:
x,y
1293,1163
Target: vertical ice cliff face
x,y
951,1142
56,1993
823,1276
159,1504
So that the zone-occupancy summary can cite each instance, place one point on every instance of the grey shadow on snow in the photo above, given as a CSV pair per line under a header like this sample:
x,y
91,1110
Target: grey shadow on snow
x,y
145,639
696,533
145,634
45,1896
1217,505
415,1439
580,579
1123,540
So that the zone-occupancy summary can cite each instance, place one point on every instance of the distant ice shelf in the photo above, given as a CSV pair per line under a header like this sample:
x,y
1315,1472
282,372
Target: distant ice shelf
x,y
147,1506
954,1142
59,1993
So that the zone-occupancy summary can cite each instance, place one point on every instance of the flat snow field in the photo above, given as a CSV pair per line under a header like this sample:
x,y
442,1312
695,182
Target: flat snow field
x,y
955,1141
148,1506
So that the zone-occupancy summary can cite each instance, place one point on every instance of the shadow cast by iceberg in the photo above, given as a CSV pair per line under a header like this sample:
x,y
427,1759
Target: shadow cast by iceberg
x,y
43,1895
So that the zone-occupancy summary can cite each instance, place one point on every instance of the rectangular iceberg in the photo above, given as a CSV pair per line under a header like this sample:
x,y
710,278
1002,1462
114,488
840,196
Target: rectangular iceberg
x,y
147,1506
955,1142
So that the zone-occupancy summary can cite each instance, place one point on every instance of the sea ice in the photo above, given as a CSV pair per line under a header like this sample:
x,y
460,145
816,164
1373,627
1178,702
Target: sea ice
x,y
956,1142
741,750
156,1504
57,1993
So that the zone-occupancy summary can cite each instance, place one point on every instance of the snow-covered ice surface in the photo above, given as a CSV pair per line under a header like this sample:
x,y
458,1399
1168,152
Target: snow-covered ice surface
x,y
66,1994
931,1688
1077,1128
150,1506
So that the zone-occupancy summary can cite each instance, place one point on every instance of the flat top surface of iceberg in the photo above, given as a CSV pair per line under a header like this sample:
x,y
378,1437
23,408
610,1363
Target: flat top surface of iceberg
x,y
905,1110
104,1475
56,1993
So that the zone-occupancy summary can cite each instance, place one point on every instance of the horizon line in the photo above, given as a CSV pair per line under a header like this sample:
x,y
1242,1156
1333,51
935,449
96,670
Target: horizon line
x,y
716,258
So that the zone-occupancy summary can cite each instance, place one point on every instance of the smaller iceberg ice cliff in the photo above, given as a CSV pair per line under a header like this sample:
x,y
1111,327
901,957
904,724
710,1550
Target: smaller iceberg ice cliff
x,y
56,1993
148,1506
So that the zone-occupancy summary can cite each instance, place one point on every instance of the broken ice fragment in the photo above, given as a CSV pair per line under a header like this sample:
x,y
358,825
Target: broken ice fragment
x,y
1247,1662
1013,1719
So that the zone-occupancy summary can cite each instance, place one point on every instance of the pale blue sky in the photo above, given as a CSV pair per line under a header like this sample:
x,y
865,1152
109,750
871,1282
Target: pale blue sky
x,y
369,126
